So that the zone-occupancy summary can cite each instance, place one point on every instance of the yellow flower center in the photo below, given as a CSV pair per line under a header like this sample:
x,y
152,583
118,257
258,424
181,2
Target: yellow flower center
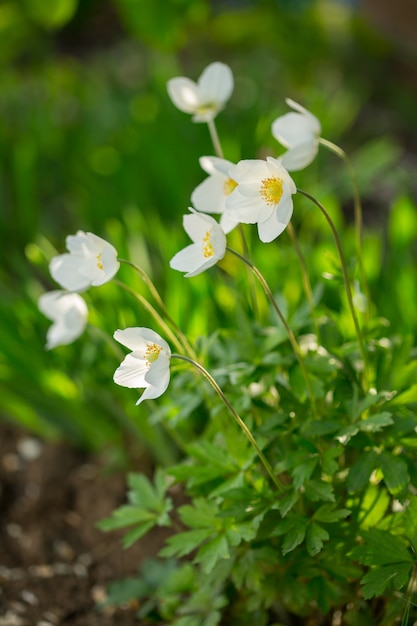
x,y
99,262
229,186
208,250
271,190
152,353
203,109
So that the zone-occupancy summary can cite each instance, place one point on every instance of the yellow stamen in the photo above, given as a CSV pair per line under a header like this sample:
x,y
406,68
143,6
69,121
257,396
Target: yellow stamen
x,y
152,353
203,109
99,262
229,186
208,250
271,190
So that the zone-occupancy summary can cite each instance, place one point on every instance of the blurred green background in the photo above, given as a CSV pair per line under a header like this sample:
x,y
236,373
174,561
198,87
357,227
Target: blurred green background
x,y
90,140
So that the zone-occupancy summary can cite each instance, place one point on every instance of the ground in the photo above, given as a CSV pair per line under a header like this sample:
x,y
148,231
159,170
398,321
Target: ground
x,y
54,562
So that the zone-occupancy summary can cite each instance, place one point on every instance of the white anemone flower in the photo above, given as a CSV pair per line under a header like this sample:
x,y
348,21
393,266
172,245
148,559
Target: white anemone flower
x,y
205,98
263,196
210,195
148,363
209,245
90,261
299,132
68,312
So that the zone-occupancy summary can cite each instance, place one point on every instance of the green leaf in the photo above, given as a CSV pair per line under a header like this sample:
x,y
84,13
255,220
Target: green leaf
x,y
136,533
407,397
51,14
315,537
327,514
294,537
373,506
381,547
211,552
376,422
287,502
377,580
361,470
318,490
302,472
395,473
184,543
202,514
410,521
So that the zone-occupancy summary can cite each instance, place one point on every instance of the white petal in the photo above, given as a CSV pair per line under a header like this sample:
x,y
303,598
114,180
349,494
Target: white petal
x,y
209,196
300,156
292,129
216,83
244,204
188,259
277,222
69,313
298,107
249,170
65,269
227,222
157,371
211,164
184,93
138,338
197,224
131,372
76,244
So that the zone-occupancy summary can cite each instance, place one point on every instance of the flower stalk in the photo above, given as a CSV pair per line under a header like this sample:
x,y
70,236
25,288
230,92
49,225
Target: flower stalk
x,y
291,336
346,282
236,416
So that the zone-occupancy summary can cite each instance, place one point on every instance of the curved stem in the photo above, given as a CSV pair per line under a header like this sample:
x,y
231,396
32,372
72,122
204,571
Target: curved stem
x,y
215,138
236,416
358,213
161,304
159,320
346,281
290,334
306,279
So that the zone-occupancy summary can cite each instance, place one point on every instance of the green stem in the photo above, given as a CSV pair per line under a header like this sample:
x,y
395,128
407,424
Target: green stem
x,y
290,334
161,304
346,282
159,320
358,214
215,138
306,279
236,416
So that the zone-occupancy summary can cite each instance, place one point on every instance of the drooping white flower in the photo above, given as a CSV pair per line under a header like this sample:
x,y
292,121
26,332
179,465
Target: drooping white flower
x,y
90,261
68,312
263,196
147,365
209,245
299,132
210,195
205,98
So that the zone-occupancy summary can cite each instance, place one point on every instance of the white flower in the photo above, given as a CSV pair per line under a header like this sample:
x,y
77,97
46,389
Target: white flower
x,y
148,363
300,133
68,312
210,195
262,196
205,98
90,261
209,245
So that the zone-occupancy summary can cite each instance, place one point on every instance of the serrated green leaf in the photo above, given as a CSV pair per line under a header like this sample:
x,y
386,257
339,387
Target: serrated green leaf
x,y
141,492
377,580
136,533
294,537
361,470
125,515
410,521
376,422
184,543
287,502
318,490
315,537
212,552
381,547
201,514
303,472
327,514
318,428
395,472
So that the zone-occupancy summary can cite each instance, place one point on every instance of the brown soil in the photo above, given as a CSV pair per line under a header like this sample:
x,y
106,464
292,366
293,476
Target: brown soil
x,y
54,562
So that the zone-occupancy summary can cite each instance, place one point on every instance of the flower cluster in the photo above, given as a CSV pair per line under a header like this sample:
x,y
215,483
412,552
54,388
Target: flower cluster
x,y
252,191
